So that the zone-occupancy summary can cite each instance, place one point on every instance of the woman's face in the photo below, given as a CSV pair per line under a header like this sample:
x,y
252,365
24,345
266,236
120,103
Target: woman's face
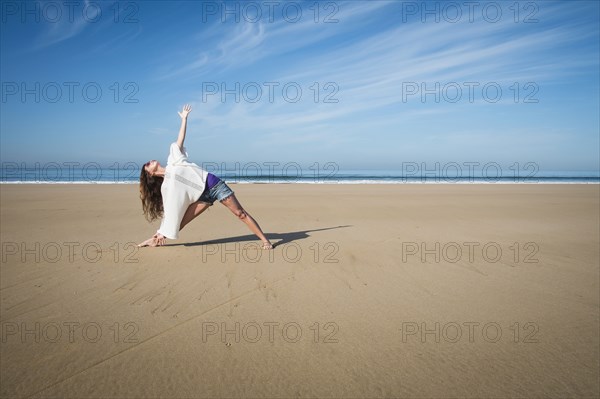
x,y
151,166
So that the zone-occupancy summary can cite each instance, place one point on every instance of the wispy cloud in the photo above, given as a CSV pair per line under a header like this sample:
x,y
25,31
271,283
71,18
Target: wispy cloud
x,y
244,43
71,21
370,71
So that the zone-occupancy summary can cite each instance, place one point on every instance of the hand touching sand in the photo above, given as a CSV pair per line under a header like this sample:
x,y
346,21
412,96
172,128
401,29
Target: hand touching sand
x,y
156,240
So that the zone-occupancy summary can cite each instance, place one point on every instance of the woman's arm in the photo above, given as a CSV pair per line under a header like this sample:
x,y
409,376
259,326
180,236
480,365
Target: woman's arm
x,y
183,114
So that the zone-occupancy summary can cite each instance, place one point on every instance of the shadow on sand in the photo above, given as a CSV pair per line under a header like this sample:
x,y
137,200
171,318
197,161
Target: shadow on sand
x,y
275,238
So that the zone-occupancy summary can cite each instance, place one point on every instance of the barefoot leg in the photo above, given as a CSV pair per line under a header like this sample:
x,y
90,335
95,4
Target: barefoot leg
x,y
236,208
193,210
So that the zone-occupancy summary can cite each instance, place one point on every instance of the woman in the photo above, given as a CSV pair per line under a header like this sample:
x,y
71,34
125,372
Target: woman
x,y
182,190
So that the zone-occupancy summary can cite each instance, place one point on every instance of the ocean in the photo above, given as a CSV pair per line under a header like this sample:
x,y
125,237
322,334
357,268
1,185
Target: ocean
x,y
254,173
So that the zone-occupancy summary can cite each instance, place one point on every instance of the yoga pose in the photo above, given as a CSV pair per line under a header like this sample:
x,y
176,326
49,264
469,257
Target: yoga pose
x,y
182,190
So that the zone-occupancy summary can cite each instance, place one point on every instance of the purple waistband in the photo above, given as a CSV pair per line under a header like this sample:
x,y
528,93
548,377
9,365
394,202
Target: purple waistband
x,y
212,180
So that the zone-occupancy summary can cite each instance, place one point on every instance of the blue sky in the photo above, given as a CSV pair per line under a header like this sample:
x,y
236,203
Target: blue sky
x,y
369,59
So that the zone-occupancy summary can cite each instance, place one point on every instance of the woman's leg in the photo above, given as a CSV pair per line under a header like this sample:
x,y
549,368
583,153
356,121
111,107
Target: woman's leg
x,y
193,210
234,206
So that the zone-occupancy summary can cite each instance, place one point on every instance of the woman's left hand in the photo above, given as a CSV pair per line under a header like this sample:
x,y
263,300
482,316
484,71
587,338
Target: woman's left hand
x,y
157,240
186,110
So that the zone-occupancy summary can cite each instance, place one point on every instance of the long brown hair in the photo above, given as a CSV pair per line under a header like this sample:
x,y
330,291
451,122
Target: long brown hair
x,y
150,194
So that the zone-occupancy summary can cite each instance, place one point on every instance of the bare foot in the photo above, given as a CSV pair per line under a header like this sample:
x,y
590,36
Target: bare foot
x,y
267,245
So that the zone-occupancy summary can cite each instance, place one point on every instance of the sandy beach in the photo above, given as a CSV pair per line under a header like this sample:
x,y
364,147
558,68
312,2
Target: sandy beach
x,y
413,291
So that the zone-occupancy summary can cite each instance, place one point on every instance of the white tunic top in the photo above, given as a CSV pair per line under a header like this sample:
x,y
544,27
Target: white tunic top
x,y
183,184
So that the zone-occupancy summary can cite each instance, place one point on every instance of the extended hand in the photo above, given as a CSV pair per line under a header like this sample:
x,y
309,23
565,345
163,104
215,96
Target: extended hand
x,y
157,240
186,110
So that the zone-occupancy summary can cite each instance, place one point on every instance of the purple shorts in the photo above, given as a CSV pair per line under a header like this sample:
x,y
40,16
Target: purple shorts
x,y
218,193
212,180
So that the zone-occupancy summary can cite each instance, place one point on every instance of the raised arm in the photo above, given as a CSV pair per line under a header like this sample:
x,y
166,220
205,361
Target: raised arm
x,y
183,114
